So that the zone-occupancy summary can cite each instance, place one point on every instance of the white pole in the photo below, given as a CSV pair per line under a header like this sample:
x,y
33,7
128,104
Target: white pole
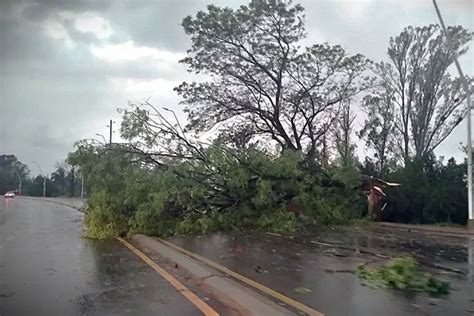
x,y
19,179
468,115
44,178
469,157
82,188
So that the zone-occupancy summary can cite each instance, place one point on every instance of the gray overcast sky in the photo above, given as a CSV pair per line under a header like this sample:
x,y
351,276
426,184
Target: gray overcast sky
x,y
66,65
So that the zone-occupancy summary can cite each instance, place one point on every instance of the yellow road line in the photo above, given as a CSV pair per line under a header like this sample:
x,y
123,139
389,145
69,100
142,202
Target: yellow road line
x,y
285,299
203,307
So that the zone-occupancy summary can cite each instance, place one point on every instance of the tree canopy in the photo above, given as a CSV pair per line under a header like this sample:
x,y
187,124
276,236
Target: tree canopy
x,y
10,171
417,103
260,77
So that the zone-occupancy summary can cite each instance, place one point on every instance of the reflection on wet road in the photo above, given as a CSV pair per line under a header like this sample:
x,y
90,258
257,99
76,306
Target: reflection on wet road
x,y
46,268
471,261
318,269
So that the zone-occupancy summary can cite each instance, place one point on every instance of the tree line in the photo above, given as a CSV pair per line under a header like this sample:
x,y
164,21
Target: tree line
x,y
270,137
63,181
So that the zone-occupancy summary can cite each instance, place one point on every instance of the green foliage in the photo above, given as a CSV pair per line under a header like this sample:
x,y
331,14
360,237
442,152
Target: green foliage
x,y
378,129
337,203
227,191
403,274
280,222
431,191
63,181
104,216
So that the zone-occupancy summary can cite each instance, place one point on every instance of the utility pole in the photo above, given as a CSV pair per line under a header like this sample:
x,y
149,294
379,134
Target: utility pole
x,y
111,123
82,188
44,178
110,138
468,115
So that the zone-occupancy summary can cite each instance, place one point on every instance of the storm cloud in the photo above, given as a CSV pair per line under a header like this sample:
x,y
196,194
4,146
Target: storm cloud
x,y
66,66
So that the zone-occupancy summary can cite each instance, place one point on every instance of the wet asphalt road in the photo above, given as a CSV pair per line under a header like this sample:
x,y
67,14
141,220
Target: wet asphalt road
x,y
318,269
46,268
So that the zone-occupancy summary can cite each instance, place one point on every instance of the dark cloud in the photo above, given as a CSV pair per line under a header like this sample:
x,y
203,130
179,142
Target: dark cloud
x,y
41,9
54,91
156,23
46,90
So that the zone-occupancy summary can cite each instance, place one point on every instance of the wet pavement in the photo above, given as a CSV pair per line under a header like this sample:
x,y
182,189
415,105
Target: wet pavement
x,y
46,268
318,268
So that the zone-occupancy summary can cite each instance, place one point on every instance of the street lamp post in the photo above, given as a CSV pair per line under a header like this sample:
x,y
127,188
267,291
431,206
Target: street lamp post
x,y
19,180
44,178
468,116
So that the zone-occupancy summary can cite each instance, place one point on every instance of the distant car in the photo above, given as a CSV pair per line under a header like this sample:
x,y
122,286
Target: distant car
x,y
9,194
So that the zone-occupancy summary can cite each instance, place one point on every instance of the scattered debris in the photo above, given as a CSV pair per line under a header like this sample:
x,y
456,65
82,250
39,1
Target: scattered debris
x,y
273,234
379,255
440,267
302,290
403,274
321,243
